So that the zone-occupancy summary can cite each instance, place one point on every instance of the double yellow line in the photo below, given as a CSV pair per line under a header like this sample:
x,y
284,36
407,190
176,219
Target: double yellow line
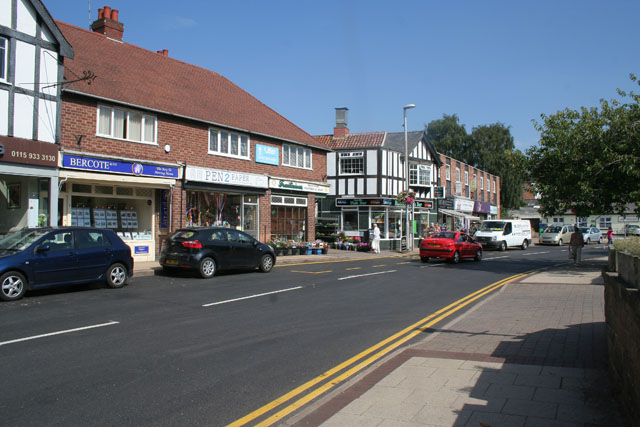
x,y
369,356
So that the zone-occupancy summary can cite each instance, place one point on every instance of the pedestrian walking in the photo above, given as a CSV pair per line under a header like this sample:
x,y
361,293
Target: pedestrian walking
x,y
375,244
610,236
575,246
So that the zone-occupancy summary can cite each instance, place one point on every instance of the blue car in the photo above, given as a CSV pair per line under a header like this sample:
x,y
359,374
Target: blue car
x,y
35,258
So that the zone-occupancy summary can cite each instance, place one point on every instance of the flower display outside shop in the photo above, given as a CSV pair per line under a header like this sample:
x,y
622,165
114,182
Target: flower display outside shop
x,y
407,197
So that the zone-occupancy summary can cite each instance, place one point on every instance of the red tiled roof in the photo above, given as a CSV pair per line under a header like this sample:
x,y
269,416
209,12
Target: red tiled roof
x,y
133,75
353,140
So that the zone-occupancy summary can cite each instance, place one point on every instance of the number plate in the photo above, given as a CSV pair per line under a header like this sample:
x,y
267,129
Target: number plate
x,y
171,262
434,245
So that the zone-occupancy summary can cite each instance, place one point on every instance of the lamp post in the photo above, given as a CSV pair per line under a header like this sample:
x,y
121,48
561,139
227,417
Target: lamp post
x,y
406,173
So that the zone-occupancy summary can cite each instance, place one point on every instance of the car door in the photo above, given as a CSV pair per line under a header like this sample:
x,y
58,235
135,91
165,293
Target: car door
x,y
244,251
217,241
94,254
54,259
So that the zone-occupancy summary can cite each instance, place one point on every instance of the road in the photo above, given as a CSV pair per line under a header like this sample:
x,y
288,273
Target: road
x,y
174,351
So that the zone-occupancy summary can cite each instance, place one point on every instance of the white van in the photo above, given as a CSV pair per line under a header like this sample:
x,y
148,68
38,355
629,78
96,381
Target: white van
x,y
501,233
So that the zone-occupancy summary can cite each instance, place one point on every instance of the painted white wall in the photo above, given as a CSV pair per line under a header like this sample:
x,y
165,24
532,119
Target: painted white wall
x,y
371,186
372,162
4,107
341,187
47,121
25,65
331,164
23,117
48,71
360,185
332,187
384,187
5,13
351,186
46,35
26,18
385,160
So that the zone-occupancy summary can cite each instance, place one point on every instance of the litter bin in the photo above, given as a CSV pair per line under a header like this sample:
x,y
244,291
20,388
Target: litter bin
x,y
365,236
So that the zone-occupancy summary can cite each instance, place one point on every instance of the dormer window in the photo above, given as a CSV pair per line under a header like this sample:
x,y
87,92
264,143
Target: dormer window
x,y
352,163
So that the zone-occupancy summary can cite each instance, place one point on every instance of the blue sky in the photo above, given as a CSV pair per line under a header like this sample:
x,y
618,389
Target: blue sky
x,y
486,61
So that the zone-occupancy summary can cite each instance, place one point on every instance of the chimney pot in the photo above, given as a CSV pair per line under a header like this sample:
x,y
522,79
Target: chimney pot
x,y
165,52
100,13
108,24
107,12
114,14
341,128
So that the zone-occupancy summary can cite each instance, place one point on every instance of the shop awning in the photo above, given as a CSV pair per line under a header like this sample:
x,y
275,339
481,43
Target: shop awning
x,y
112,177
459,214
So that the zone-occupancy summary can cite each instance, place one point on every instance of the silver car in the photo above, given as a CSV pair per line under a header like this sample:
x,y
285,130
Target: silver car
x,y
557,234
632,230
591,234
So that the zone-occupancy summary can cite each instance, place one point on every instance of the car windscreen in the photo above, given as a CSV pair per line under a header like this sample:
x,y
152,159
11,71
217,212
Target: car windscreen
x,y
492,226
444,235
21,240
553,229
584,229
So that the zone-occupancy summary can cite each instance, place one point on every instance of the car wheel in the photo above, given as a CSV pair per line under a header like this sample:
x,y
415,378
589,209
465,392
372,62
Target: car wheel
x,y
503,246
14,285
207,268
587,241
524,245
266,263
456,257
424,259
117,276
478,255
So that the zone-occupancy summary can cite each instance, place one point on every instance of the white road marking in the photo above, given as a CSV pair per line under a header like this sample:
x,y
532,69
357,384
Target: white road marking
x,y
59,332
536,253
252,296
495,257
368,274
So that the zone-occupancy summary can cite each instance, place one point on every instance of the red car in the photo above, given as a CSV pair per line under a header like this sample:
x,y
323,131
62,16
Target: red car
x,y
452,245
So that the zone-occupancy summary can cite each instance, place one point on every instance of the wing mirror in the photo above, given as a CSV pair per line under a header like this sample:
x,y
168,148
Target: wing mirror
x,y
43,248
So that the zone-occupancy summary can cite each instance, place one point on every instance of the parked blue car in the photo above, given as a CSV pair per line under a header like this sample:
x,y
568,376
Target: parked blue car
x,y
36,258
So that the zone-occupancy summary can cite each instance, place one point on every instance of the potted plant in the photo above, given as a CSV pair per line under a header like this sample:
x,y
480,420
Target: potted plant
x,y
325,248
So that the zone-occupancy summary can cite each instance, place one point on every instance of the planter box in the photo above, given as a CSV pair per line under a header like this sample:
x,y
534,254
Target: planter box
x,y
628,267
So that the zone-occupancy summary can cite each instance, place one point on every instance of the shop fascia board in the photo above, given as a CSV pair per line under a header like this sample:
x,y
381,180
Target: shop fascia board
x,y
110,178
179,116
126,159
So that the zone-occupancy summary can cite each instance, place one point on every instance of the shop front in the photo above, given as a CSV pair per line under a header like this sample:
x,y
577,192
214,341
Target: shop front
x,y
224,198
290,209
459,215
482,210
28,184
125,196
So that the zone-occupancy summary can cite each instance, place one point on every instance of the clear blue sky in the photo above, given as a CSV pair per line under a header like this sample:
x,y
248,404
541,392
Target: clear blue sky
x,y
486,61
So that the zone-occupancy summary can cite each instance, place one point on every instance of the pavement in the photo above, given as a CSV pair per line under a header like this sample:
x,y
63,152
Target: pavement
x,y
533,353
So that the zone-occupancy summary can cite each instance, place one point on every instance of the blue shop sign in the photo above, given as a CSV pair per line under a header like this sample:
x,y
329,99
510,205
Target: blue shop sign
x,y
114,166
267,154
141,250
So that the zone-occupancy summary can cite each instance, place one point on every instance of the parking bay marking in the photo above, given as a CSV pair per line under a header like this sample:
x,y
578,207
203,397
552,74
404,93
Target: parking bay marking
x,y
311,272
67,331
252,296
368,274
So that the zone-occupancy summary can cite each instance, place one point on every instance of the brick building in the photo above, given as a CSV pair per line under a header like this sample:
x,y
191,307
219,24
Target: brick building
x,y
153,143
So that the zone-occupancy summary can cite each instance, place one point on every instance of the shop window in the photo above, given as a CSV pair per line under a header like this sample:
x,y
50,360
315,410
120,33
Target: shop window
x,y
228,144
394,224
127,125
296,157
352,163
144,192
124,191
378,218
288,222
81,188
419,175
350,220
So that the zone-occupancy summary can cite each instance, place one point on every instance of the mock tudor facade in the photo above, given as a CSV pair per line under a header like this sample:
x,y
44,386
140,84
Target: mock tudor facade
x,y
32,49
154,144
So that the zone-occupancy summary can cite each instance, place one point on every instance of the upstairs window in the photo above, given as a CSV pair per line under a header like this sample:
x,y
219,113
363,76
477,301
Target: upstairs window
x,y
448,173
482,183
228,144
493,183
127,125
419,175
3,58
296,157
466,178
457,174
352,163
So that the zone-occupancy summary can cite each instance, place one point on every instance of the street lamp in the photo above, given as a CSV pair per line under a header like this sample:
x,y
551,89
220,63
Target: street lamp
x,y
406,172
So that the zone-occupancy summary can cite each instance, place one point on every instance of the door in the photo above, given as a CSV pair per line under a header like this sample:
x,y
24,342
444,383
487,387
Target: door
x,y
218,242
56,261
244,252
94,254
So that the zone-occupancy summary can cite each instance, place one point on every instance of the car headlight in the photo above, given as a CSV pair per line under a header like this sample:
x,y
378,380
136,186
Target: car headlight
x,y
494,238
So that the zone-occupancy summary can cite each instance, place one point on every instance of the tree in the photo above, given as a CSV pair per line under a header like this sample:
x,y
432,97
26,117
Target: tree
x,y
588,160
448,136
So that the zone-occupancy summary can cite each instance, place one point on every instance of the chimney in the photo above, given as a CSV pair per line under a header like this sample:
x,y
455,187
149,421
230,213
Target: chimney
x,y
341,130
108,24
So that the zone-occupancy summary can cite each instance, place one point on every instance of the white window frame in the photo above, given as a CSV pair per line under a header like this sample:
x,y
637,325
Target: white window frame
x,y
448,172
493,184
419,175
307,154
128,113
466,178
604,222
457,174
351,155
215,148
482,183
4,53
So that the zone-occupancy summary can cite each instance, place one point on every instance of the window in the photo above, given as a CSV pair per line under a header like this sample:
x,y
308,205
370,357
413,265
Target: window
x,y
583,221
86,239
466,178
3,58
482,183
604,222
448,173
228,144
296,157
558,220
493,184
457,174
352,163
128,125
419,174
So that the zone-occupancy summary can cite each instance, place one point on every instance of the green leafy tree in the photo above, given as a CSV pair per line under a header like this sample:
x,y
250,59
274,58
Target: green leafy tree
x,y
448,136
588,160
